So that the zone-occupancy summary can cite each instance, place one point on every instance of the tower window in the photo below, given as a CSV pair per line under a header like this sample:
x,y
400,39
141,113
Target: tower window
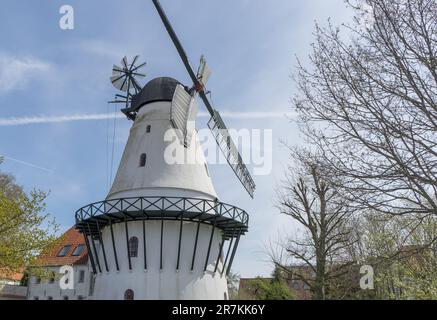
x,y
143,159
129,294
148,128
81,276
133,247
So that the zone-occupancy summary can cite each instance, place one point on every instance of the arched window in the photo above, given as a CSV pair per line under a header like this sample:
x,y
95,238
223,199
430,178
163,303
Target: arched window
x,y
143,159
133,247
129,294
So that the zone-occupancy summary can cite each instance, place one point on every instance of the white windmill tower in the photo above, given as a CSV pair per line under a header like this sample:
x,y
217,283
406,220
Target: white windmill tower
x,y
162,233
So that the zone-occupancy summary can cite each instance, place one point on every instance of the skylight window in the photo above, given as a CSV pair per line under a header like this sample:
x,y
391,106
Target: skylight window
x,y
78,251
64,251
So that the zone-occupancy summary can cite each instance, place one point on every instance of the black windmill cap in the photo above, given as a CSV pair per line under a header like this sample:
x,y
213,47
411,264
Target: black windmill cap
x,y
158,89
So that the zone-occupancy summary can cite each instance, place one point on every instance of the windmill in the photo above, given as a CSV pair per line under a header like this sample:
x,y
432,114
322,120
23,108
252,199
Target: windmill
x,y
162,232
216,123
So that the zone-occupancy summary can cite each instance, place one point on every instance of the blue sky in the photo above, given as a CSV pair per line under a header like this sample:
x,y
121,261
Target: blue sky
x,y
44,71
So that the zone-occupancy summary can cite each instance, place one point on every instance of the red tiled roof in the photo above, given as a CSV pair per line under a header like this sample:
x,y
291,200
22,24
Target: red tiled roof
x,y
73,238
6,274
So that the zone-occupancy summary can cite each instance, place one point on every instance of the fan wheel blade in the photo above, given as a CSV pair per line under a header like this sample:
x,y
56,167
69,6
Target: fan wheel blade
x,y
133,62
139,67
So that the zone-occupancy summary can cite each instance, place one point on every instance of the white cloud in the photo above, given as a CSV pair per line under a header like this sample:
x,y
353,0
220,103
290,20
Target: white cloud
x,y
16,72
112,51
67,189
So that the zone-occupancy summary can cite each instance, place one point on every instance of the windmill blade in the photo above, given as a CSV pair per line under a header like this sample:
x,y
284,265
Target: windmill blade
x,y
136,85
118,81
227,146
116,70
182,114
216,124
203,73
124,63
180,49
139,75
133,62
139,67
191,120
118,77
230,151
183,56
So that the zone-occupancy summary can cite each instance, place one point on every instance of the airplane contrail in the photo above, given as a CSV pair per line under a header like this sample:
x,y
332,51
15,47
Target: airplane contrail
x,y
27,164
19,121
56,119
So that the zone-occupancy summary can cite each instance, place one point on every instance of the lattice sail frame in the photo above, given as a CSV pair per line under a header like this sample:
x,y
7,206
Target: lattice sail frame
x,y
230,151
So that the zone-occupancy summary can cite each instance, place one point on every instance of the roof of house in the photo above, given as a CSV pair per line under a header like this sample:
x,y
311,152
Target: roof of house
x,y
6,274
72,238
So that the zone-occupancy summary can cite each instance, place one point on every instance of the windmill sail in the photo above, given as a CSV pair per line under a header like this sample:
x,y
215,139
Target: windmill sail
x,y
204,72
230,151
216,123
183,113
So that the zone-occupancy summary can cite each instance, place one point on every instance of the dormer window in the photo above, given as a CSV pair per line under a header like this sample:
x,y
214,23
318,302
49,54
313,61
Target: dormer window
x,y
143,159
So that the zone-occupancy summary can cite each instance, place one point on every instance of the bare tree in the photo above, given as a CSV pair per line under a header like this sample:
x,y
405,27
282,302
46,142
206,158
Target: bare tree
x,y
324,216
369,105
